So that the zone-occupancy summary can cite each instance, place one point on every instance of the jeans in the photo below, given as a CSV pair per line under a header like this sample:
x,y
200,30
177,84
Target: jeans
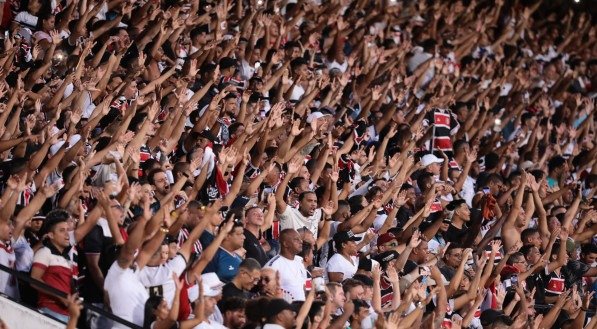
x,y
60,317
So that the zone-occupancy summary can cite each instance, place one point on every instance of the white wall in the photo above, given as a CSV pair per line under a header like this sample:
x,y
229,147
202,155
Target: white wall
x,y
20,317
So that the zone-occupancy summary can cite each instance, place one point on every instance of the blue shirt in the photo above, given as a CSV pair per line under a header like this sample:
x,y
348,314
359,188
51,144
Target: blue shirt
x,y
225,264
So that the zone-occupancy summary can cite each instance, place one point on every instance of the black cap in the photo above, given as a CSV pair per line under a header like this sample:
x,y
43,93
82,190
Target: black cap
x,y
455,204
276,306
227,62
341,237
491,316
385,257
207,134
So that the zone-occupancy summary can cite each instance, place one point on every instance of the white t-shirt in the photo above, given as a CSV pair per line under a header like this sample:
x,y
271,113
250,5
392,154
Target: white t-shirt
x,y
8,284
341,265
158,279
126,293
293,275
88,106
23,253
292,218
210,325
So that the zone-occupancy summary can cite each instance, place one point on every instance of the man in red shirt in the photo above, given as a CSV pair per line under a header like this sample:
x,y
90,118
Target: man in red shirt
x,y
55,265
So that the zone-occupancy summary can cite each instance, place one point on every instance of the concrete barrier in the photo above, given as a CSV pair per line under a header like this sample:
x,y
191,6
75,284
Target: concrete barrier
x,y
17,316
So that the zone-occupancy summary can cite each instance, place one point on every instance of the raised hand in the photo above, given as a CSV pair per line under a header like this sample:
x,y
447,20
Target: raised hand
x,y
495,246
400,199
296,128
328,209
415,240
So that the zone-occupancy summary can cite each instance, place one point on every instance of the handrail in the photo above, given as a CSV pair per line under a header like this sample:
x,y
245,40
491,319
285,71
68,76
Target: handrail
x,y
53,291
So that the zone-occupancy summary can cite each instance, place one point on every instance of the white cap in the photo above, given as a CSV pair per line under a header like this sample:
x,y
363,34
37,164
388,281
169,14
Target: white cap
x,y
314,116
428,159
527,165
74,139
212,286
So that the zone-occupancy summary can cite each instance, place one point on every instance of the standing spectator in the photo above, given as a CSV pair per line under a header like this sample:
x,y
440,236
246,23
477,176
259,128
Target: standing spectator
x,y
56,265
226,262
293,274
344,264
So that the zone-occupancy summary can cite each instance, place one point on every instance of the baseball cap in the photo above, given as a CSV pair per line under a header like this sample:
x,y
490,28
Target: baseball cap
x,y
385,257
207,135
385,238
212,286
367,264
314,116
428,159
74,139
227,62
341,237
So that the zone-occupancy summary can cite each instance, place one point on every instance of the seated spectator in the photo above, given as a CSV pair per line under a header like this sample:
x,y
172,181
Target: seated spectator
x,y
248,275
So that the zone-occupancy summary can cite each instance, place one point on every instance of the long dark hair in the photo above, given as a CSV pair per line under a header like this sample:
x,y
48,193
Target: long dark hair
x,y
149,314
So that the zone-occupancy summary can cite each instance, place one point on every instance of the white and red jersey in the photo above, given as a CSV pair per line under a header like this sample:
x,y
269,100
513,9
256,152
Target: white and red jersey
x,y
60,271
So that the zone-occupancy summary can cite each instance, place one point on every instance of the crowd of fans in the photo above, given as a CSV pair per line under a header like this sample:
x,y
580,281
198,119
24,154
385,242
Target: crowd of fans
x,y
309,164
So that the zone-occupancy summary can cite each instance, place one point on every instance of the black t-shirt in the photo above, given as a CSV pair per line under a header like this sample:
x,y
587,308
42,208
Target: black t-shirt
x,y
403,215
536,281
455,234
95,243
230,290
254,248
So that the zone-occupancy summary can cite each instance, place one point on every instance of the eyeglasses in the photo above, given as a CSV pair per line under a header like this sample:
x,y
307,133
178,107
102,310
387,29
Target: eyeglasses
x,y
265,279
391,244
253,279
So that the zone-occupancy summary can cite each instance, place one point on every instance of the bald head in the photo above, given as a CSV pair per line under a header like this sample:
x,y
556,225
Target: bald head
x,y
291,243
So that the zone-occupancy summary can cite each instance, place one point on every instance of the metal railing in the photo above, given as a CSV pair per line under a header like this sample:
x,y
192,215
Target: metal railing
x,y
55,292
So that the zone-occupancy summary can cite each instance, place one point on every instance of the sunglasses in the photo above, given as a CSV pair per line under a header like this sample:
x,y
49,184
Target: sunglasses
x,y
265,279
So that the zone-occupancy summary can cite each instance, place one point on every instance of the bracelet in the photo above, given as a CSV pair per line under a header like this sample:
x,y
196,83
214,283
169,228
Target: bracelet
x,y
164,229
584,309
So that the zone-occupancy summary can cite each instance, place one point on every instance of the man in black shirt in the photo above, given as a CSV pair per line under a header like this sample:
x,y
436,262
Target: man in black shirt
x,y
248,275
254,219
460,214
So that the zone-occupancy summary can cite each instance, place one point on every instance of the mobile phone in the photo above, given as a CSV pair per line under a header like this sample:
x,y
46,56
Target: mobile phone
x,y
514,279
486,190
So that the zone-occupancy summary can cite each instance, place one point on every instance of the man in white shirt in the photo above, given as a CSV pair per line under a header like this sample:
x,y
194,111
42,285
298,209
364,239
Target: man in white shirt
x,y
307,214
126,294
293,273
